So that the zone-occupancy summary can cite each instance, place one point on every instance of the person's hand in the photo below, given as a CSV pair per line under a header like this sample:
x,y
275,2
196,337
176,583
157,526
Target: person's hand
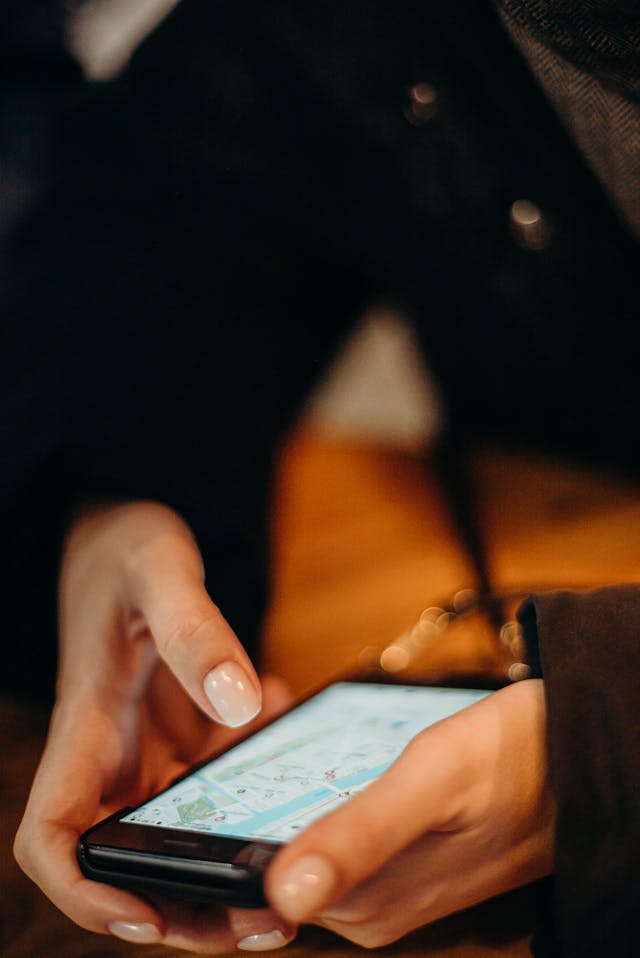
x,y
147,661
464,814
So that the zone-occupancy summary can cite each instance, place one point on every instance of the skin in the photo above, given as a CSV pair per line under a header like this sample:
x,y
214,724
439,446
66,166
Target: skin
x,y
464,814
138,634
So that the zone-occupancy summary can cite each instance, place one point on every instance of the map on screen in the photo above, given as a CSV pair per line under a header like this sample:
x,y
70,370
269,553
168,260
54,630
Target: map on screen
x,y
305,764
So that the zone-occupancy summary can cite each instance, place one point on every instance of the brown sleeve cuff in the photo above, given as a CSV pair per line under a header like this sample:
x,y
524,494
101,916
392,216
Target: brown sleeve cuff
x,y
587,648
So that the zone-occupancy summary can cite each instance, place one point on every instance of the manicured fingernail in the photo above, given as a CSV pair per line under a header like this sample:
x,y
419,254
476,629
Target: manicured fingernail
x,y
141,932
304,888
265,942
232,694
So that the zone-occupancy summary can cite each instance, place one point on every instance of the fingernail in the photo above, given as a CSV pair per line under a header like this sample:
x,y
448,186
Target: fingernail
x,y
141,932
304,888
232,694
265,942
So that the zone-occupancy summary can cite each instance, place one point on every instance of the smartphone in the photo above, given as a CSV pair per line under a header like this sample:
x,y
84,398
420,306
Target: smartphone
x,y
211,834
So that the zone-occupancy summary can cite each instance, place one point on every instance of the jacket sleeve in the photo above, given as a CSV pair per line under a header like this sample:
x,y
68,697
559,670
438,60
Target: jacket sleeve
x,y
178,280
588,653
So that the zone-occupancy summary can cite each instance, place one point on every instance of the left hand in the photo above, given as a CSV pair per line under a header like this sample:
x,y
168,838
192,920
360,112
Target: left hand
x,y
464,814
139,638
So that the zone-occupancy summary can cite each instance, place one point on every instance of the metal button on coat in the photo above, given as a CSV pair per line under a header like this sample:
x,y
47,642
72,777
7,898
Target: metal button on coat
x,y
423,104
529,226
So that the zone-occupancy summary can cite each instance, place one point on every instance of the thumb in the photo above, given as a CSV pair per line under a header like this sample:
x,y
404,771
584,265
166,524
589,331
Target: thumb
x,y
426,789
190,632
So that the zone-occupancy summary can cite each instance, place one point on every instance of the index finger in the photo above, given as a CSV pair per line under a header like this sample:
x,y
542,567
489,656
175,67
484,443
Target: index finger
x,y
190,632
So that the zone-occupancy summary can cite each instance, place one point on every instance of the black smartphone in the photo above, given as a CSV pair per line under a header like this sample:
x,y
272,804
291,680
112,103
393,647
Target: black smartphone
x,y
211,834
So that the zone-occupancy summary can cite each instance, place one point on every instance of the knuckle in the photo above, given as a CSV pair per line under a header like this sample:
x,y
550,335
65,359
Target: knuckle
x,y
141,556
186,634
418,743
22,850
158,531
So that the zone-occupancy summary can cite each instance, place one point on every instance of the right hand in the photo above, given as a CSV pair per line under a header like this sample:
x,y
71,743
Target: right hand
x,y
146,662
465,813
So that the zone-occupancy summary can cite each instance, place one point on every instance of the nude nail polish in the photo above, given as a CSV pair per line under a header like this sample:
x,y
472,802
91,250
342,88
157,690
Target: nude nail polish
x,y
304,888
232,695
140,932
268,941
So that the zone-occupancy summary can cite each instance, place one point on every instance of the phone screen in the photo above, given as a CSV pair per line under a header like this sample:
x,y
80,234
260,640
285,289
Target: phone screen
x,y
305,764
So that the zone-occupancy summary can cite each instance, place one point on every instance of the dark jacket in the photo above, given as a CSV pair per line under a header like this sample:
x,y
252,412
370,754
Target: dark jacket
x,y
207,227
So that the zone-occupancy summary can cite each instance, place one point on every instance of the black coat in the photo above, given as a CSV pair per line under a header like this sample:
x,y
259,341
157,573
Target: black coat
x,y
203,231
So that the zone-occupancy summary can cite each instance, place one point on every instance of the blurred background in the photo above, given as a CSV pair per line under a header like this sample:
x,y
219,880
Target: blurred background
x,y
379,388
373,551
